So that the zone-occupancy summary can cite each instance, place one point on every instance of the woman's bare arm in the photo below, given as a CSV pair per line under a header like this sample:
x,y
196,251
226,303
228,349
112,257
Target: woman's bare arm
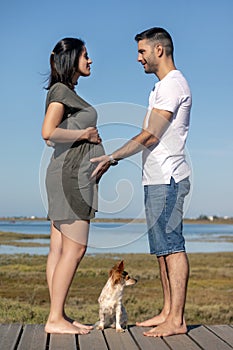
x,y
51,131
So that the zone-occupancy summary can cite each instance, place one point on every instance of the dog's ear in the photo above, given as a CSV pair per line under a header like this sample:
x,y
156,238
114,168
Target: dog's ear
x,y
113,269
121,266
116,272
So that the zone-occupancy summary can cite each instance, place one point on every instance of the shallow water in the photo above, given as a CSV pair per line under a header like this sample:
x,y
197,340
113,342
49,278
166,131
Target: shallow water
x,y
123,237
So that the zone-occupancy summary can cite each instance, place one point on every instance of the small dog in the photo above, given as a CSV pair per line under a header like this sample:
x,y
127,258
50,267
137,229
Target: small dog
x,y
112,312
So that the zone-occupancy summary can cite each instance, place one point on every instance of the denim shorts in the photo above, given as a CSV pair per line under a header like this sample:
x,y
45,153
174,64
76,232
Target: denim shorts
x,y
164,215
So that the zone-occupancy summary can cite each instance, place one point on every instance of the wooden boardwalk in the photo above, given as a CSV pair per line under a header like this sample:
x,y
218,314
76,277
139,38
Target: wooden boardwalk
x,y
33,337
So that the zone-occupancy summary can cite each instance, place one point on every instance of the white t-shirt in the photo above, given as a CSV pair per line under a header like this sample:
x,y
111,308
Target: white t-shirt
x,y
167,158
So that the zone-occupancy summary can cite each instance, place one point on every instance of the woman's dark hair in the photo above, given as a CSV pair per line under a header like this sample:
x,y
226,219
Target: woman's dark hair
x,y
158,35
64,61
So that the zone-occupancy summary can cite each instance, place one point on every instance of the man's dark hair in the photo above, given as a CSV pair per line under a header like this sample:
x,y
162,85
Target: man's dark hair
x,y
158,35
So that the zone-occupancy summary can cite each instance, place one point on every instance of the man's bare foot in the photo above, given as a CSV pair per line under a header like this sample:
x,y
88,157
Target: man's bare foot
x,y
82,326
64,327
77,324
152,322
166,329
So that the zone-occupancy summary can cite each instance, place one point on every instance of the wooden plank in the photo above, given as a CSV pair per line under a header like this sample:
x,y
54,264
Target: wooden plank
x,y
117,341
62,342
223,331
33,338
9,335
177,342
148,343
92,341
207,340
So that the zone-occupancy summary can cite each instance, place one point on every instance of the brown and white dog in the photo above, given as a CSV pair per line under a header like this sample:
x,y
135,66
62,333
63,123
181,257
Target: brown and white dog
x,y
111,310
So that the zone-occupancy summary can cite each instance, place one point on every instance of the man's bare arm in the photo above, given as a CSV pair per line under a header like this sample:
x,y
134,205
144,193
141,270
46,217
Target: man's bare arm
x,y
159,121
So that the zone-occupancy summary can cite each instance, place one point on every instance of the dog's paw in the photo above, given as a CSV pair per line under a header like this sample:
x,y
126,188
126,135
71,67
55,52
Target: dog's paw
x,y
100,327
120,330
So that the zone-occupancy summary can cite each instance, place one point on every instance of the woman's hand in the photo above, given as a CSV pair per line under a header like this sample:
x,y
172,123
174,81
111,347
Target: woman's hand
x,y
91,134
50,143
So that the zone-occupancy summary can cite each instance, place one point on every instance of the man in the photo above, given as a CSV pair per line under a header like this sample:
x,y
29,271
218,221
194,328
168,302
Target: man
x,y
165,175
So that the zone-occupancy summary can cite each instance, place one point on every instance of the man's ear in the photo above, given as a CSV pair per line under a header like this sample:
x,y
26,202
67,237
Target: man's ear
x,y
159,49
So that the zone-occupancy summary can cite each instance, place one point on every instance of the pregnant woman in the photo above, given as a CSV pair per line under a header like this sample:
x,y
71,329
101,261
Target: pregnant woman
x,y
70,127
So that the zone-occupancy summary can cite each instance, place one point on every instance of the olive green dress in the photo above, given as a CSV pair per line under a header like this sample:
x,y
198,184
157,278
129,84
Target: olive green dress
x,y
71,194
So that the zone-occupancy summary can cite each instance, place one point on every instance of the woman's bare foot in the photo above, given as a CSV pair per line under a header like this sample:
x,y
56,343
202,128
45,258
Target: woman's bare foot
x,y
166,329
77,324
152,322
64,327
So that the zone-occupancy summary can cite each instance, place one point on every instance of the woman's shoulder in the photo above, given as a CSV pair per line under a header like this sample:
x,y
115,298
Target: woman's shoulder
x,y
59,92
59,87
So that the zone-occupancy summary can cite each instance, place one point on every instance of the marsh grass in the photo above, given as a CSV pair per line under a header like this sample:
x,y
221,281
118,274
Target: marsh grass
x,y
24,295
20,239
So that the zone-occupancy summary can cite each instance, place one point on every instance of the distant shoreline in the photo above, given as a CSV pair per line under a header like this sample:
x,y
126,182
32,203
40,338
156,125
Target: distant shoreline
x,y
221,221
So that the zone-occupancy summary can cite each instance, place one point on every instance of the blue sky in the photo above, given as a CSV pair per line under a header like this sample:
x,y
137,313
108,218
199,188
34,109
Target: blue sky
x,y
202,33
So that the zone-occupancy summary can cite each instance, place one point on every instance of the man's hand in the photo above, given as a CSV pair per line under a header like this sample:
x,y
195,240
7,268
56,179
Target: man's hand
x,y
102,167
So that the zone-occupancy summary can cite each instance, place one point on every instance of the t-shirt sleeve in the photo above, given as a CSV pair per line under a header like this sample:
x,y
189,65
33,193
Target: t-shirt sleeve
x,y
58,93
167,96
61,93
